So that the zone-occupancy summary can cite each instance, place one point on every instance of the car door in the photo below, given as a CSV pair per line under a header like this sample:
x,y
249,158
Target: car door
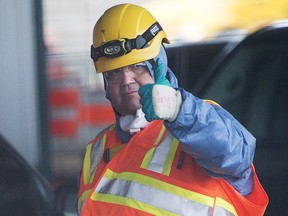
x,y
251,82
23,191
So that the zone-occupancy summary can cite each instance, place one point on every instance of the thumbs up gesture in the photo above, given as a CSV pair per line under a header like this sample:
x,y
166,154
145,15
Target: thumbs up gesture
x,y
159,100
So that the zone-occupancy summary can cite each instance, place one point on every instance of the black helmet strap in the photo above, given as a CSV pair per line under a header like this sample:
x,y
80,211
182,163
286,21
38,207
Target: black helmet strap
x,y
120,47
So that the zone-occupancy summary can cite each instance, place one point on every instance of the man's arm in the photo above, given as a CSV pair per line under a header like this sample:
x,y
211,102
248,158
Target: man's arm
x,y
219,143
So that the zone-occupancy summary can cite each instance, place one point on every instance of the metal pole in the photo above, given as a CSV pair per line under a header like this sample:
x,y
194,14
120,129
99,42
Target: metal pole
x,y
45,147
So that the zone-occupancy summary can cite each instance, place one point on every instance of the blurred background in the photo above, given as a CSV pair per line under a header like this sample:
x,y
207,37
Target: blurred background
x,y
77,108
52,101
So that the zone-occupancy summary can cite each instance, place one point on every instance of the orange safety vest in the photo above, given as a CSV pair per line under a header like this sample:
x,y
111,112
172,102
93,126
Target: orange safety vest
x,y
151,175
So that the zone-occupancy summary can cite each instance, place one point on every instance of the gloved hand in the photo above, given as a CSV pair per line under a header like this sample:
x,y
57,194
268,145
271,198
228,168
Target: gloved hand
x,y
159,100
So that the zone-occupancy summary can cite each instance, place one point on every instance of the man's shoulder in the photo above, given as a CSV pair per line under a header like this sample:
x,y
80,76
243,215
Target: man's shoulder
x,y
99,136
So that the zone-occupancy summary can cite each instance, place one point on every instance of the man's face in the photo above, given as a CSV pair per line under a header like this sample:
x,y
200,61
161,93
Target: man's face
x,y
123,85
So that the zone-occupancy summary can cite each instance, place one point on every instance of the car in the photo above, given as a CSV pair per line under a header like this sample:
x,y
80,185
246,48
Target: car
x,y
250,80
23,190
188,60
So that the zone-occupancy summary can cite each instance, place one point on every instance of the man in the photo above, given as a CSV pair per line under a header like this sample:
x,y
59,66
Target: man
x,y
169,152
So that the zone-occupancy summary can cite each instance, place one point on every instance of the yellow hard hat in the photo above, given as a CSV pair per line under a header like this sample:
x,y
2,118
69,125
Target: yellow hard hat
x,y
125,34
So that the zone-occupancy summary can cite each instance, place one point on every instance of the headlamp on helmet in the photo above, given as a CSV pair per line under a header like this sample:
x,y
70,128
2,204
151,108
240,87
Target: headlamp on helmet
x,y
120,47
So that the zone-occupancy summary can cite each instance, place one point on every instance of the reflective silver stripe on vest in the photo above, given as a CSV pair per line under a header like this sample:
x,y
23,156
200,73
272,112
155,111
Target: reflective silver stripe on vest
x,y
152,196
96,154
160,155
219,211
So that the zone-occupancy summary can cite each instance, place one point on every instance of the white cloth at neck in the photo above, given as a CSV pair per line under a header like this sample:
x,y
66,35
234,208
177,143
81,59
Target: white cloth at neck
x,y
133,123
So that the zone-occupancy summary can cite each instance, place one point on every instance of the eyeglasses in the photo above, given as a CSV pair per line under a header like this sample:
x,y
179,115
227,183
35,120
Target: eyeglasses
x,y
135,70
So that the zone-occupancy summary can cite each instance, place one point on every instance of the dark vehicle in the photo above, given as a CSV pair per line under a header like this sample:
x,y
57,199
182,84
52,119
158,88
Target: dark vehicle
x,y
189,60
23,191
250,80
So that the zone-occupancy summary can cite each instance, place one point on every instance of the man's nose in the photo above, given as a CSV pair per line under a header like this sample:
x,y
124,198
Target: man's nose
x,y
126,76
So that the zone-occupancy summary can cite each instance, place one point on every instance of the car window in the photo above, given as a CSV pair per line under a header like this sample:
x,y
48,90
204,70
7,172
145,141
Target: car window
x,y
253,87
252,84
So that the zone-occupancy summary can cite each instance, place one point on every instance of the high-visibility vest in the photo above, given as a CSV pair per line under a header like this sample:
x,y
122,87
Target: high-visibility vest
x,y
151,175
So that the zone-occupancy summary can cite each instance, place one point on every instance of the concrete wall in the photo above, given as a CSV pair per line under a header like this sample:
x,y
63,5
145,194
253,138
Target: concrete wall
x,y
19,122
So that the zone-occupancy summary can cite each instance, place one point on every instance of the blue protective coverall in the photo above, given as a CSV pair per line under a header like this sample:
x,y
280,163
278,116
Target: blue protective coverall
x,y
210,134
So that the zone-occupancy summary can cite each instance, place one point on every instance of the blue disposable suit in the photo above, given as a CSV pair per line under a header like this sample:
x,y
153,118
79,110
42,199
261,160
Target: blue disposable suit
x,y
211,135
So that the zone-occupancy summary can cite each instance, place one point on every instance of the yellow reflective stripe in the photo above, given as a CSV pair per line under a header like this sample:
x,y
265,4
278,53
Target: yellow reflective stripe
x,y
160,135
170,157
90,165
160,158
94,161
125,201
155,183
103,142
212,102
224,204
83,198
147,159
112,127
92,178
87,164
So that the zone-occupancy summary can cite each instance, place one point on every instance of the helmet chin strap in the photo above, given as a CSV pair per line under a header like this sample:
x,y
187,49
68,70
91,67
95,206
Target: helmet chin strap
x,y
133,123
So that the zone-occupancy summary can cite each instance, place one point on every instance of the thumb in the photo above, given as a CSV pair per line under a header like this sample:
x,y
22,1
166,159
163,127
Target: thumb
x,y
158,72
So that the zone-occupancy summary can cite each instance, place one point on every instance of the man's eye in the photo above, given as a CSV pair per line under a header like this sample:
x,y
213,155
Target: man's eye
x,y
116,71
